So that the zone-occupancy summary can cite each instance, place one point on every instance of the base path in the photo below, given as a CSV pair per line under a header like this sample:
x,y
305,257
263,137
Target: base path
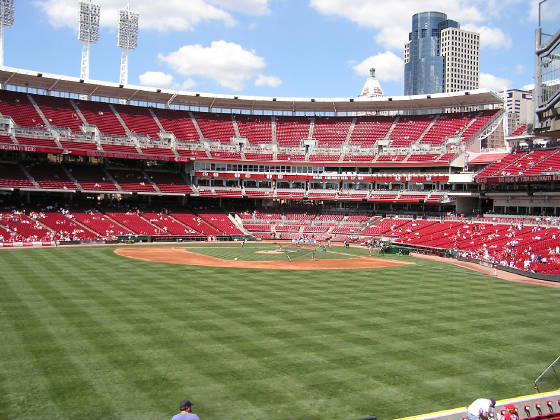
x,y
182,256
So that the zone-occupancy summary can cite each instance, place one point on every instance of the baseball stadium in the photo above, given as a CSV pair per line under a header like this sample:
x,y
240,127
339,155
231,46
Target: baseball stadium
x,y
276,258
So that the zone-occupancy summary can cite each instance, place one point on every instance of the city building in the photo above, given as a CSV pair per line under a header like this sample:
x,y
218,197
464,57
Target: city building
x,y
372,87
440,56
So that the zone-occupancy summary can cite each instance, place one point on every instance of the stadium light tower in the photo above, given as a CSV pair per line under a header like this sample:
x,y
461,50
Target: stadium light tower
x,y
127,39
6,19
88,33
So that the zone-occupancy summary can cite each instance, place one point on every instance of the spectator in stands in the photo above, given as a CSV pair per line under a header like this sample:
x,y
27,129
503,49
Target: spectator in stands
x,y
480,409
185,414
510,412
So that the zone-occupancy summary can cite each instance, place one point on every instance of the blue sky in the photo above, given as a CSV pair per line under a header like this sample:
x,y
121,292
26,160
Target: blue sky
x,y
282,48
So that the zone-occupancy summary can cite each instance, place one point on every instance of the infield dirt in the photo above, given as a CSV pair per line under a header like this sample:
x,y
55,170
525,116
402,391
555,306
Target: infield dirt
x,y
182,256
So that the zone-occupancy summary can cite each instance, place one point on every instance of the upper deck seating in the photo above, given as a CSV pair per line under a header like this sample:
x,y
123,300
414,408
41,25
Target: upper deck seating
x,y
384,226
132,180
368,130
192,153
446,157
12,176
236,156
290,194
218,127
331,132
261,157
390,158
358,158
411,197
549,163
78,145
291,157
37,142
138,120
17,106
422,157
101,115
358,218
321,194
160,151
301,217
526,162
267,216
59,112
92,178
335,217
382,196
6,139
482,120
287,228
408,129
324,158
259,192
257,129
179,123
119,148
519,130
51,177
497,168
446,125
169,182
291,130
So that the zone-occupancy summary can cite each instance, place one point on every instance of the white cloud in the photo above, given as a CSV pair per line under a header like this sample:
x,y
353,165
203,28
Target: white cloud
x,y
388,67
160,15
393,18
225,62
530,86
188,84
520,69
495,83
271,81
490,37
156,79
250,7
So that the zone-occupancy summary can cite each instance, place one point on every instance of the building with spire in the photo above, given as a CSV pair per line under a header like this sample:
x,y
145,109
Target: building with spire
x,y
372,87
440,56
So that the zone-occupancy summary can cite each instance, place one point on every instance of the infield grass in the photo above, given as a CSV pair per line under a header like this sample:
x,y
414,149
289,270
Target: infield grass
x,y
87,334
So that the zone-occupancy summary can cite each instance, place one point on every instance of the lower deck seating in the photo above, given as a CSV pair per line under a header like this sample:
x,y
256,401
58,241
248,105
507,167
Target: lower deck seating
x,y
136,223
101,224
169,225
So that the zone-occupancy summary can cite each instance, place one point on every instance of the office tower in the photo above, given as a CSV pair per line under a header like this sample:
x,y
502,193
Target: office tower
x,y
440,56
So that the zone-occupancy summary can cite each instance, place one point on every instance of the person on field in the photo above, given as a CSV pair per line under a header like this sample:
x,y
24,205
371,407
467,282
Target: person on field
x,y
481,409
185,414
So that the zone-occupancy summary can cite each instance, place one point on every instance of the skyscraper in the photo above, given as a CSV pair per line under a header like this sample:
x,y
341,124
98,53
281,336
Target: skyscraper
x,y
440,56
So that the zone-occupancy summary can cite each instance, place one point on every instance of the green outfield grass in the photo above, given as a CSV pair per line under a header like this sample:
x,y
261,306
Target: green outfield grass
x,y
87,334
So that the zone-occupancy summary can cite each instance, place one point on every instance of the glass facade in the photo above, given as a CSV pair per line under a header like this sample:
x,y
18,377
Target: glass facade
x,y
424,66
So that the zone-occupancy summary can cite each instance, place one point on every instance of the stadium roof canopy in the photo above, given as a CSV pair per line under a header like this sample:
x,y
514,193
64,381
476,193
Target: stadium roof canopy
x,y
28,79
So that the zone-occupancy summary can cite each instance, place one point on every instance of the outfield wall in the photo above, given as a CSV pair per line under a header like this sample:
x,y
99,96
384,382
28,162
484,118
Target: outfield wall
x,y
520,402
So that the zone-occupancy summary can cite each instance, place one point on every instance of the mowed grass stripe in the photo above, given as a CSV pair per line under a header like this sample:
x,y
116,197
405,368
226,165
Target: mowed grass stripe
x,y
59,376
260,344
